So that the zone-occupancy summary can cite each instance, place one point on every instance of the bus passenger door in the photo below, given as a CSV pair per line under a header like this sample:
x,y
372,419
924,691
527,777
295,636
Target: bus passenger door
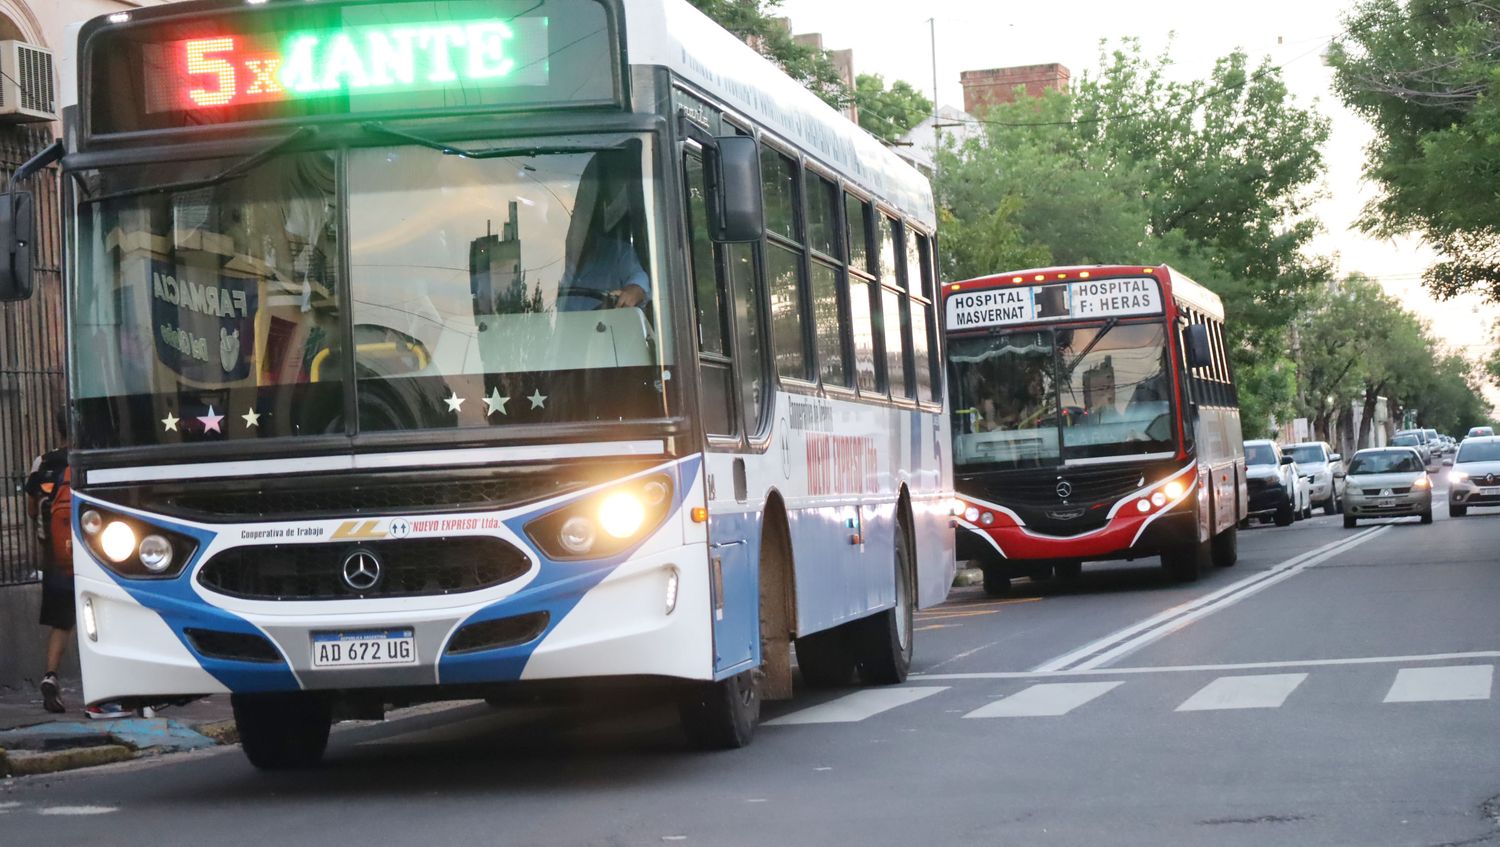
x,y
733,522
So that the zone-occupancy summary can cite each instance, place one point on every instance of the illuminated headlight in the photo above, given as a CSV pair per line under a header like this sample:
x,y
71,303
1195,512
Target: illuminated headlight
x,y
1422,482
118,541
577,535
1173,490
1142,506
1457,477
155,553
672,580
1158,499
91,521
622,514
956,508
971,514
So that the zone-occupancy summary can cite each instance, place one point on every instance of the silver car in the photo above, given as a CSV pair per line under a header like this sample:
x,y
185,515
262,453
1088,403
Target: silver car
x,y
1475,477
1387,482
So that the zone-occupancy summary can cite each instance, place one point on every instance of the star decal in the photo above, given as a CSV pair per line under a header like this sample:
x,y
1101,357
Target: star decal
x,y
211,421
170,423
252,418
538,399
455,402
495,403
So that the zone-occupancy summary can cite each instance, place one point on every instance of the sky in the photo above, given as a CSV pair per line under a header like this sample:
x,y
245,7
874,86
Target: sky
x,y
893,39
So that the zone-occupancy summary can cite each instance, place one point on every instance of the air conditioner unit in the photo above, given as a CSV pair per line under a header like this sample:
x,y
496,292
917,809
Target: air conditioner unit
x,y
28,87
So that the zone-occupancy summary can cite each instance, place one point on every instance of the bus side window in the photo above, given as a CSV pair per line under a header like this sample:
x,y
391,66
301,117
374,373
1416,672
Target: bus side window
x,y
893,311
784,267
716,368
862,327
924,324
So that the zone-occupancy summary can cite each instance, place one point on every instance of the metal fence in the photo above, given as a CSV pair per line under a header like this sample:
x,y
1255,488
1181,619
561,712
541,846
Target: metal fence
x,y
32,354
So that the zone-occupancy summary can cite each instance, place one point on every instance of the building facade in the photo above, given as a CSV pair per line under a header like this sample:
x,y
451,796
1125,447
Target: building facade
x,y
986,88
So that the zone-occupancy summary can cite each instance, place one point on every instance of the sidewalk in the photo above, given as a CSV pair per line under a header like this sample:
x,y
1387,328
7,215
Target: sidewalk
x,y
35,741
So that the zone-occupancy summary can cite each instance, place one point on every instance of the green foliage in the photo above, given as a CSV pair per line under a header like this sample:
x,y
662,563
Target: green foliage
x,y
1214,176
754,21
887,113
1421,72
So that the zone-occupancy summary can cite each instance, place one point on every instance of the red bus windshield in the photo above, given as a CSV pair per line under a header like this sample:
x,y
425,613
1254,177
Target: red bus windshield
x,y
1048,396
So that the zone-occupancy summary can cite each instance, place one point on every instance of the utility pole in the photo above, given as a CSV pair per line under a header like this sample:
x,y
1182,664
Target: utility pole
x,y
937,132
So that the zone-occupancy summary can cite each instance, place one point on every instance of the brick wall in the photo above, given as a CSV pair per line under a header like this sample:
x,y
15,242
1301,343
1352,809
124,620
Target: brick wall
x,y
983,89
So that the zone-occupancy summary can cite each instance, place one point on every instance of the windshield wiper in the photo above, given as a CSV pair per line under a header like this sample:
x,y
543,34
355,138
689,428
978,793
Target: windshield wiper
x,y
481,153
234,171
1078,360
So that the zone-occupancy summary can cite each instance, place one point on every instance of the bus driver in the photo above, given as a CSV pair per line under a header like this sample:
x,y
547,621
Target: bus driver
x,y
606,267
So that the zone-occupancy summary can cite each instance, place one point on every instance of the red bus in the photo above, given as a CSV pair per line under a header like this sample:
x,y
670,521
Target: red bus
x,y
1095,418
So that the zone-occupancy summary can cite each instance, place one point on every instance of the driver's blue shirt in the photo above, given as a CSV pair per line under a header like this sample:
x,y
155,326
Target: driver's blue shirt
x,y
611,265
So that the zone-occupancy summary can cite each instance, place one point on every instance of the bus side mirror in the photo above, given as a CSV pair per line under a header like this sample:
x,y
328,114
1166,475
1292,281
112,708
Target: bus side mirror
x,y
1195,339
735,209
17,222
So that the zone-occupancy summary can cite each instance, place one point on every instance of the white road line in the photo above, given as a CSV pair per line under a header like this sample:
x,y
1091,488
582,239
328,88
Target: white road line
x,y
1171,626
1044,700
1264,691
857,706
1243,666
1067,659
1455,682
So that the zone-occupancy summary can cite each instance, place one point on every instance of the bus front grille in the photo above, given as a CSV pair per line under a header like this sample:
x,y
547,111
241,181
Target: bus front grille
x,y
407,568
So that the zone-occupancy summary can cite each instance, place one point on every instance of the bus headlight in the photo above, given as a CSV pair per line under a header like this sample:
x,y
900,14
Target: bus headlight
x,y
118,541
91,521
606,523
1174,489
155,553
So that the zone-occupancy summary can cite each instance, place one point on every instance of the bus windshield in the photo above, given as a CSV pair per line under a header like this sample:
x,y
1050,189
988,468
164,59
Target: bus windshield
x,y
1050,396
475,293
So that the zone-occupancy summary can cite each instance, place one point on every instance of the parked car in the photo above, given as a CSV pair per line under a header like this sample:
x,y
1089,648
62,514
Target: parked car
x,y
1324,471
1385,482
1277,489
1481,431
1415,439
1475,477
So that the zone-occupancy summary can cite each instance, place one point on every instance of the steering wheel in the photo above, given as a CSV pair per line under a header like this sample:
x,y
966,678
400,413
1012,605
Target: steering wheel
x,y
606,299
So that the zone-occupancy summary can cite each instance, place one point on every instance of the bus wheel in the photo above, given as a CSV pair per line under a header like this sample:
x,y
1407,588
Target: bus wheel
x,y
281,731
884,641
721,715
1226,548
996,583
825,658
1185,563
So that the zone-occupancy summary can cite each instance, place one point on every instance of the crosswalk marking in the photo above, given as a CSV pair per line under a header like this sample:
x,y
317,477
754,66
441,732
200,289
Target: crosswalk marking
x,y
857,706
1045,700
1454,682
1263,691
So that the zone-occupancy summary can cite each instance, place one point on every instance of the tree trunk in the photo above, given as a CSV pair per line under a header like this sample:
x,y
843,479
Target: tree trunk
x,y
1372,395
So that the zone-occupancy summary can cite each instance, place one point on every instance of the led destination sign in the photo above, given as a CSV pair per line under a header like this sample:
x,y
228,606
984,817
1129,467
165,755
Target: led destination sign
x,y
1105,298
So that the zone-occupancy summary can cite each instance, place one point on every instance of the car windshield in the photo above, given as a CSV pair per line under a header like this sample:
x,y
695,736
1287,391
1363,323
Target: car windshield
x,y
1406,441
480,293
1479,451
1039,397
1386,461
1260,454
1307,454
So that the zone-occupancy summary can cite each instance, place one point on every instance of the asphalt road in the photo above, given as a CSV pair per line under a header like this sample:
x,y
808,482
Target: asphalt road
x,y
1335,687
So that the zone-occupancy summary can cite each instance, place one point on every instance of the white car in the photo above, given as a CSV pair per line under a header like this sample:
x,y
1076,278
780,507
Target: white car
x,y
1278,489
1475,477
1324,471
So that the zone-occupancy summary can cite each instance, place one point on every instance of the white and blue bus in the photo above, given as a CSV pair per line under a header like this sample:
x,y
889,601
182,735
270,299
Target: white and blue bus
x,y
421,350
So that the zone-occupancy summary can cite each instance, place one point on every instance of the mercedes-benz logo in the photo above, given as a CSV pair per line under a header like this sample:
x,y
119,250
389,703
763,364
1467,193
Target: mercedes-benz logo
x,y
1064,489
361,570
1489,479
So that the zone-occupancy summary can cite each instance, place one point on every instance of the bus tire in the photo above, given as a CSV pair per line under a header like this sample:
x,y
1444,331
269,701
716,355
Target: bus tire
x,y
1226,548
721,715
1185,563
996,583
282,731
883,642
825,658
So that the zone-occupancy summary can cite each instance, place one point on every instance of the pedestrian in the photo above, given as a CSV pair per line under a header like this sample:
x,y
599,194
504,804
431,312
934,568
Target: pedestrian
x,y
49,504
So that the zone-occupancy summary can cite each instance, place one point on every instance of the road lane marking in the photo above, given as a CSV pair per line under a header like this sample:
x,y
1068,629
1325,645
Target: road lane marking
x,y
1044,700
935,626
1263,691
1135,636
1242,666
1455,682
857,706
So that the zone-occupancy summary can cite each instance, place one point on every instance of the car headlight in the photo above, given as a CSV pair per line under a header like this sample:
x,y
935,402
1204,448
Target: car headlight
x,y
1457,477
1421,483
605,523
133,548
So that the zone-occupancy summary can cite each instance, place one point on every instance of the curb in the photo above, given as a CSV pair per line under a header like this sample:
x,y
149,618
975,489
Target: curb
x,y
17,763
222,732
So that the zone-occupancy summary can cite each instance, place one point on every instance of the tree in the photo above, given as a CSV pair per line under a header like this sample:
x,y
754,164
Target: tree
x,y
1421,72
753,21
888,113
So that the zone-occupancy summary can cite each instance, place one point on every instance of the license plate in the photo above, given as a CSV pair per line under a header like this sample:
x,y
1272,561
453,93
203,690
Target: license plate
x,y
1489,492
1386,504
364,647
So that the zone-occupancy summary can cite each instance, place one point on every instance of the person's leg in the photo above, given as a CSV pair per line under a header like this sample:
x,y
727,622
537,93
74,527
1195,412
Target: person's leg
x,y
57,644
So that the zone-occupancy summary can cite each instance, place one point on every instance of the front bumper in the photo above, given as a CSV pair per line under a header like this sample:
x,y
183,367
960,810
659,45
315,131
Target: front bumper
x,y
1266,500
1469,494
1366,506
